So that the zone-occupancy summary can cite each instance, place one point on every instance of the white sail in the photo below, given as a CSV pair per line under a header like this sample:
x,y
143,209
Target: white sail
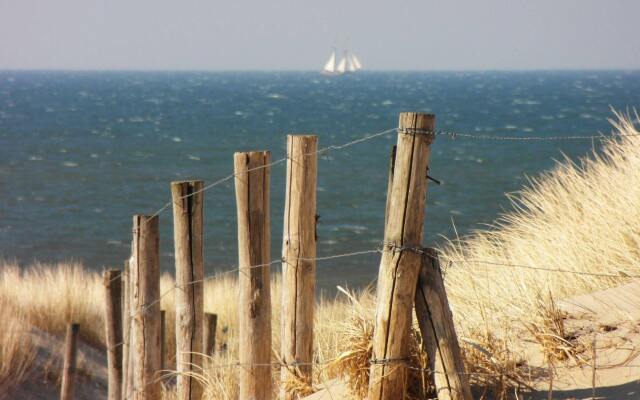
x,y
356,63
351,67
343,65
330,66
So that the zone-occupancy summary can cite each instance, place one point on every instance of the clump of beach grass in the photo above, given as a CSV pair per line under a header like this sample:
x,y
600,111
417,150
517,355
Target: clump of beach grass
x,y
581,217
17,352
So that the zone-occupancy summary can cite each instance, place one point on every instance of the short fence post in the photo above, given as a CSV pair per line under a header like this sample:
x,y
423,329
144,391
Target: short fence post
x,y
254,238
188,231
400,262
126,330
438,332
70,356
163,340
113,323
145,290
298,263
210,326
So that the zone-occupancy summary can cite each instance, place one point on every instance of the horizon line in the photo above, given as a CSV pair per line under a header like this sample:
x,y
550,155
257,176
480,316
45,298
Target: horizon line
x,y
91,70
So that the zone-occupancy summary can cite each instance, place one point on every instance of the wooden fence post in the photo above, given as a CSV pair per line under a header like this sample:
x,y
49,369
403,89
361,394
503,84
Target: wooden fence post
x,y
113,324
438,332
210,326
126,330
400,263
299,265
254,239
70,356
189,252
145,291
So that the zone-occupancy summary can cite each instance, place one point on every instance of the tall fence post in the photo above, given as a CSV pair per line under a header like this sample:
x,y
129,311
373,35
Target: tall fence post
x,y
126,330
400,262
252,176
298,263
187,198
438,332
210,326
70,355
113,325
145,291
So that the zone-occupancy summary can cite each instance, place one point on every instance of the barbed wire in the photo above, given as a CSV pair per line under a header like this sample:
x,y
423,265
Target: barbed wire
x,y
451,134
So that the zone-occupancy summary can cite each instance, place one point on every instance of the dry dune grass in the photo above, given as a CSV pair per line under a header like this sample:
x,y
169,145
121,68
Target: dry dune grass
x,y
17,352
582,217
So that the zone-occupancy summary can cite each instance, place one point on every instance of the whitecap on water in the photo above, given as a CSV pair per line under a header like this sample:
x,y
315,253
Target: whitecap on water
x,y
176,139
511,127
35,158
192,157
387,103
276,96
70,164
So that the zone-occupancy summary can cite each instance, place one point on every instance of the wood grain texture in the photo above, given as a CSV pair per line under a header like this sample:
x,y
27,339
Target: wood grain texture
x,y
126,330
299,266
188,236
399,270
145,292
254,241
113,331
438,332
67,387
163,340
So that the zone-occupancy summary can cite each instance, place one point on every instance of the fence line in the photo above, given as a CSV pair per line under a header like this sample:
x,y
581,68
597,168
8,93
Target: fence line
x,y
451,134
380,250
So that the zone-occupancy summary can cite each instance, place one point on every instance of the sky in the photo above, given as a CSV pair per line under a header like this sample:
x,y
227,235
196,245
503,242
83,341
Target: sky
x,y
299,34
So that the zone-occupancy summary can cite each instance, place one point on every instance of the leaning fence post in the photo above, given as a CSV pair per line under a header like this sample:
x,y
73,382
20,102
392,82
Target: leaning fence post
x,y
113,325
209,337
436,326
400,263
145,303
298,263
70,356
252,199
188,231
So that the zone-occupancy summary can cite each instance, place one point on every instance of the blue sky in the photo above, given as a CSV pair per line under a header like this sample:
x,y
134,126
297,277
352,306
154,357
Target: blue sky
x,y
299,35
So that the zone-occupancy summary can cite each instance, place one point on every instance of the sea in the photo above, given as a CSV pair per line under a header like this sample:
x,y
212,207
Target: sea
x,y
81,152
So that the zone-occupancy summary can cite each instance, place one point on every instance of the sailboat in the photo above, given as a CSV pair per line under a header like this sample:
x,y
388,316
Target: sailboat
x,y
348,63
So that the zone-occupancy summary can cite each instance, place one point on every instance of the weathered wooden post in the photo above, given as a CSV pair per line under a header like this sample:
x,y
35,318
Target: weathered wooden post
x,y
210,326
438,332
252,176
145,291
113,325
70,356
400,263
298,262
188,235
